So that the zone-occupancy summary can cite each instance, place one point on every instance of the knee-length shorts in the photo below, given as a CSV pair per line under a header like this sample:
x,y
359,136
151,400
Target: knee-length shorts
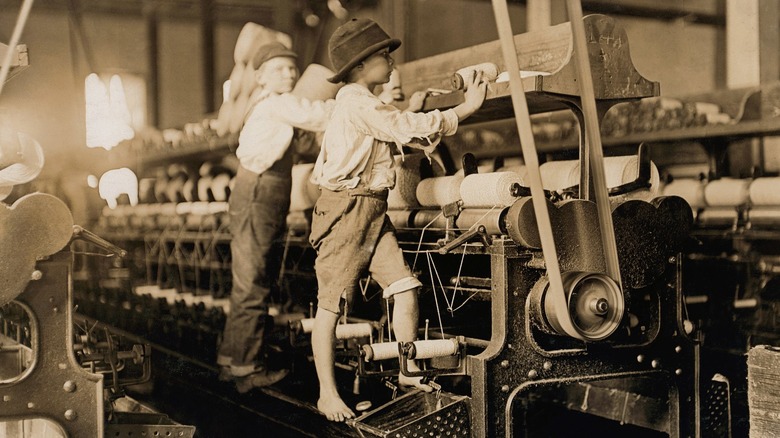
x,y
352,234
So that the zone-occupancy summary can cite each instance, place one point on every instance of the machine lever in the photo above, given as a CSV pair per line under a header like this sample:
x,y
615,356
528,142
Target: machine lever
x,y
642,180
81,233
393,387
480,231
643,175
518,190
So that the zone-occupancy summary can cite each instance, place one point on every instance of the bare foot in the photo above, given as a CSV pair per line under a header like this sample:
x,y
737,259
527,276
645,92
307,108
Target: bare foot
x,y
334,409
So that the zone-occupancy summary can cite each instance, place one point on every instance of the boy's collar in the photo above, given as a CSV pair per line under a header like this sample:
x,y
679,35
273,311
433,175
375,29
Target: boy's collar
x,y
355,88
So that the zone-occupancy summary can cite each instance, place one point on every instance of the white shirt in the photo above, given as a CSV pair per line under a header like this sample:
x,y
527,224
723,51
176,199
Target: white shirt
x,y
356,143
268,130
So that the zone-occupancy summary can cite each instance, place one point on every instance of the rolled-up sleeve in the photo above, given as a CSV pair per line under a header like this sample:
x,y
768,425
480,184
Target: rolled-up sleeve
x,y
420,130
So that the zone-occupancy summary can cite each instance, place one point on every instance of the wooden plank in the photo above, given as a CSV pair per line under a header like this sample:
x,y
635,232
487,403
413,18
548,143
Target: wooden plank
x,y
701,11
547,50
763,395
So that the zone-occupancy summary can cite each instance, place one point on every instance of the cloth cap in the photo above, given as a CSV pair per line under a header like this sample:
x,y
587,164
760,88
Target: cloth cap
x,y
270,51
355,41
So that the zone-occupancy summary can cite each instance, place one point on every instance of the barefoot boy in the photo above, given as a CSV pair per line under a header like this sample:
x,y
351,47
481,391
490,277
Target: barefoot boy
x,y
355,170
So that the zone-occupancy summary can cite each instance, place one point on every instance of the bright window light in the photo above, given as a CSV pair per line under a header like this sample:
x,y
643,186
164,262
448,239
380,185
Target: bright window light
x,y
109,119
118,182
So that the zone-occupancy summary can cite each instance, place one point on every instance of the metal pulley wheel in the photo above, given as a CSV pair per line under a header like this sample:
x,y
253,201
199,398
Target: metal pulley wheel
x,y
595,305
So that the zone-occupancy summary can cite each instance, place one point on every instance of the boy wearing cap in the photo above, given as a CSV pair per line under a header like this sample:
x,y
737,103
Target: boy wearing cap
x,y
259,206
355,170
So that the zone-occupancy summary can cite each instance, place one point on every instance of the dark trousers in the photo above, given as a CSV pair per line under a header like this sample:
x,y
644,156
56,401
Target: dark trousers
x,y
258,215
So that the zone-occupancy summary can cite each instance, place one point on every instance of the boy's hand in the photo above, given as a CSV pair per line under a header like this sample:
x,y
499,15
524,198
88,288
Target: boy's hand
x,y
475,94
417,101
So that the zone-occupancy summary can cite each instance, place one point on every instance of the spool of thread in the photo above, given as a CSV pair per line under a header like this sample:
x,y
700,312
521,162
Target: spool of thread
x,y
558,175
238,113
307,324
297,222
236,80
168,209
146,190
400,218
363,405
174,188
351,331
764,216
490,219
439,191
624,169
343,331
204,184
433,348
690,189
183,208
248,82
283,319
706,108
765,191
489,189
727,192
300,198
218,207
718,216
220,186
313,84
380,351
223,118
251,37
245,43
189,189
408,174
433,219
462,77
199,208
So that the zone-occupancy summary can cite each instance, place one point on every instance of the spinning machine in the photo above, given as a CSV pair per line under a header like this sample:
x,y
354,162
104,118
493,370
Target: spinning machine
x,y
588,321
60,376
547,288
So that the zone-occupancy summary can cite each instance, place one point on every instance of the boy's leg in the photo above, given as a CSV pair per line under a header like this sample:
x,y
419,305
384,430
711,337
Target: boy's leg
x,y
254,226
405,316
323,337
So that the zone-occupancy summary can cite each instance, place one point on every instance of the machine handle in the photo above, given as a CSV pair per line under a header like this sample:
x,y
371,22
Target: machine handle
x,y
480,231
81,233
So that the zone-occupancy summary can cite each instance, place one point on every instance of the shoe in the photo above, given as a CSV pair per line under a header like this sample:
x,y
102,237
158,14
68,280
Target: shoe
x,y
259,379
225,375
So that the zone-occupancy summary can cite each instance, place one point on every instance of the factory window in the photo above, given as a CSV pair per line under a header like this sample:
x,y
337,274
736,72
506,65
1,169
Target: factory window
x,y
115,108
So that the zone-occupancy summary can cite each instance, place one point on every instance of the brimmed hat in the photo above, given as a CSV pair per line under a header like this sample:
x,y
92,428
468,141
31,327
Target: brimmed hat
x,y
355,41
269,51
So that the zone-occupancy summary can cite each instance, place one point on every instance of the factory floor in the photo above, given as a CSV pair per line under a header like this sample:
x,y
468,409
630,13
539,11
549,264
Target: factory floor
x,y
193,395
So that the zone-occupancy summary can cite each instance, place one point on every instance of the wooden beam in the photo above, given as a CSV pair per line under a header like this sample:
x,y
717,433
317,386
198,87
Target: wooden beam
x,y
153,85
538,15
238,11
743,65
698,11
207,33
